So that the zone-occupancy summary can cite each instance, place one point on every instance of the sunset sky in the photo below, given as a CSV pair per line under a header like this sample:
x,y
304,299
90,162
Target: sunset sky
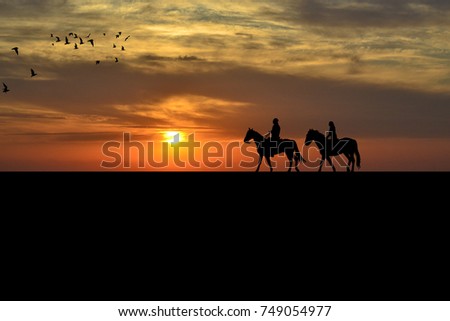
x,y
380,69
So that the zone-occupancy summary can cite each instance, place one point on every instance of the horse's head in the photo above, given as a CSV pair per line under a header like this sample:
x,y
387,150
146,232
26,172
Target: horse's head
x,y
309,137
249,136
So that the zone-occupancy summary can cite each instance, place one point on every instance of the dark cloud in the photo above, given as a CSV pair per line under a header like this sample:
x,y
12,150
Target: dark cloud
x,y
41,4
355,64
360,109
34,3
202,13
26,116
200,40
72,136
253,46
151,57
283,42
188,58
245,35
30,8
431,4
85,90
368,13
37,19
161,62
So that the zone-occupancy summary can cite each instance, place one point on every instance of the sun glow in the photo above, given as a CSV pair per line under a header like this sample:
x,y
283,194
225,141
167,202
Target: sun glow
x,y
173,136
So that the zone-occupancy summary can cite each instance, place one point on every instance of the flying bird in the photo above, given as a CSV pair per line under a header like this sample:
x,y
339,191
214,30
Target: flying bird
x,y
5,88
70,33
51,35
127,38
88,35
117,36
16,49
123,48
67,41
75,35
57,39
120,33
75,47
91,41
104,33
97,62
33,73
114,45
117,60
81,41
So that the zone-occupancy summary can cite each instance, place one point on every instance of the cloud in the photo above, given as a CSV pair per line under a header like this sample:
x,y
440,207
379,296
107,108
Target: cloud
x,y
231,99
27,8
254,46
188,58
72,136
231,67
245,35
280,37
242,16
17,115
369,13
202,40
152,57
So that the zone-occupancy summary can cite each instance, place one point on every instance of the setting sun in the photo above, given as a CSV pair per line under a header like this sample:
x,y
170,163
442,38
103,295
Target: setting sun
x,y
171,136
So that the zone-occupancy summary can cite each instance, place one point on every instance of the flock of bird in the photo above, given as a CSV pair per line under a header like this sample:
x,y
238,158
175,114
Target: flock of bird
x,y
78,42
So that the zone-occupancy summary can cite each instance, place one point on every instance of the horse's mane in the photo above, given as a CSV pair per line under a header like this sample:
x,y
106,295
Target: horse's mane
x,y
256,132
316,132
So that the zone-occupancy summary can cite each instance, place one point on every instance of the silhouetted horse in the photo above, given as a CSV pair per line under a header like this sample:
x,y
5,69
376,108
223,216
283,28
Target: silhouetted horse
x,y
346,146
268,148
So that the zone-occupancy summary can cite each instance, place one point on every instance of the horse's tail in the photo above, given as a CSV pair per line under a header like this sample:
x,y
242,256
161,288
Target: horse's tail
x,y
358,157
297,154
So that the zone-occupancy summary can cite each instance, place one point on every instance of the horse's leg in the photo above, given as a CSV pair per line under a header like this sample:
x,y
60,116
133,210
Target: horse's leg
x,y
268,162
290,164
349,157
321,164
290,157
352,160
259,162
331,163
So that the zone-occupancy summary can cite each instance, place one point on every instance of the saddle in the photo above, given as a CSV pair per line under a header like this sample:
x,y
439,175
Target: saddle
x,y
335,148
272,145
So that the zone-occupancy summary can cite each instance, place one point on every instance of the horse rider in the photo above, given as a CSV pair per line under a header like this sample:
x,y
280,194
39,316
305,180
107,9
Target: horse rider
x,y
332,134
274,134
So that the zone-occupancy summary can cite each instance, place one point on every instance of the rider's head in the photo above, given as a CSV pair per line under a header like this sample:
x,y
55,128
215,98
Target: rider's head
x,y
275,120
330,123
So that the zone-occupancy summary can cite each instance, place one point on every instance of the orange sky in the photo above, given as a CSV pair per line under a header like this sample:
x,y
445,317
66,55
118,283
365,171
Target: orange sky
x,y
379,69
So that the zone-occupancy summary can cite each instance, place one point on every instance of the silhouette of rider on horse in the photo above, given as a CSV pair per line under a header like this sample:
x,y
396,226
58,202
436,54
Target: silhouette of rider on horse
x,y
273,136
332,138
